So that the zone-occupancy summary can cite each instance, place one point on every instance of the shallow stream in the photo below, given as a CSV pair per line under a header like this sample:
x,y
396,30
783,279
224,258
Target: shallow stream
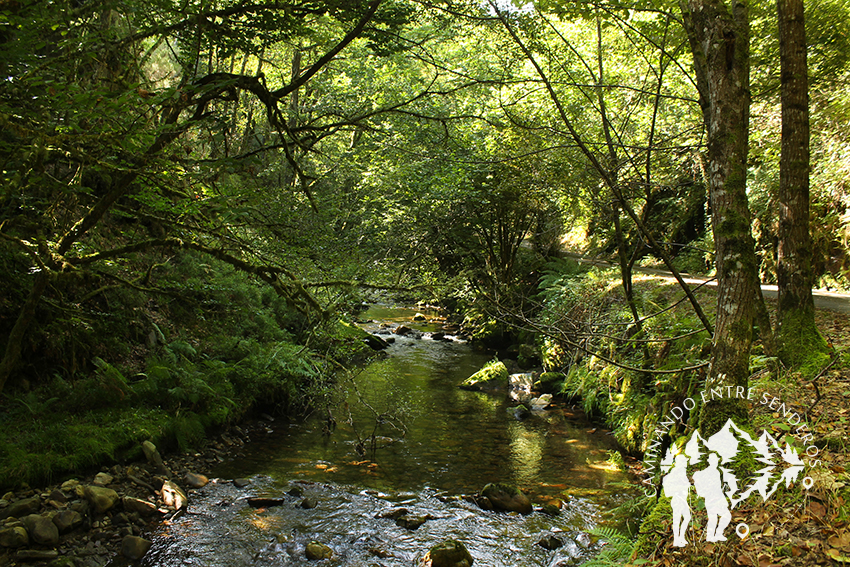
x,y
452,443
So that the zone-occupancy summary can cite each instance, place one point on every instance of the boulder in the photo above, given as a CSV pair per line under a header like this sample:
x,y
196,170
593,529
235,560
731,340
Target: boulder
x,y
67,521
143,508
420,318
492,375
14,537
540,403
174,496
41,530
506,498
23,508
550,382
316,551
521,386
376,342
450,553
102,499
528,356
308,503
134,547
193,480
102,479
154,458
410,522
550,542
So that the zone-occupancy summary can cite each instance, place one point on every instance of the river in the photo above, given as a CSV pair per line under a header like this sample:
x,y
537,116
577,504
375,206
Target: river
x,y
446,443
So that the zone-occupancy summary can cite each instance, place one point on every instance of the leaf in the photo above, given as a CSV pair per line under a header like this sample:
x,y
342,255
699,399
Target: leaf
x,y
817,509
836,555
840,540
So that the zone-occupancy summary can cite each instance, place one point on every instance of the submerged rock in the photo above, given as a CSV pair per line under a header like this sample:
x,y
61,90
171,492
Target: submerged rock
x,y
450,553
506,498
316,551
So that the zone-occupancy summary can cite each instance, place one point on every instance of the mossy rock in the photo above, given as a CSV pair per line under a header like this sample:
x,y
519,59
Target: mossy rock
x,y
492,375
550,382
506,498
450,553
492,335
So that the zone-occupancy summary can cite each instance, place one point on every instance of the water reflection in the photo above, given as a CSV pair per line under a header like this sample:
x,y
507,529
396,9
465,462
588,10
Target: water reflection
x,y
454,443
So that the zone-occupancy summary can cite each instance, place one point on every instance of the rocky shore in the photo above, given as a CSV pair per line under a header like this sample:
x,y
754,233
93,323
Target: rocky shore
x,y
89,520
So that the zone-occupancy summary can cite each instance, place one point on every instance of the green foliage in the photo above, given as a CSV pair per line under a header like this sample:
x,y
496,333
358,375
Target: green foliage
x,y
617,549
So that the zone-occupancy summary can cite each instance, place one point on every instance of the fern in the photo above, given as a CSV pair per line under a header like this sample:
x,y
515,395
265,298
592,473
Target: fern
x,y
616,550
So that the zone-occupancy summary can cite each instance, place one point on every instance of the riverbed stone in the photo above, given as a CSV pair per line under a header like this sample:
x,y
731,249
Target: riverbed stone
x,y
308,503
102,499
194,480
316,551
143,508
67,521
134,547
23,507
506,498
36,554
450,553
241,482
409,522
41,529
16,536
173,495
102,479
550,542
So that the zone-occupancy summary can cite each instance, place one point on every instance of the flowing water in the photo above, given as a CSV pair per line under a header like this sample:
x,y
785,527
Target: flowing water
x,y
446,443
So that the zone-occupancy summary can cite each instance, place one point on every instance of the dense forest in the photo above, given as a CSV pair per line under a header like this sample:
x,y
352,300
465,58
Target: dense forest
x,y
198,196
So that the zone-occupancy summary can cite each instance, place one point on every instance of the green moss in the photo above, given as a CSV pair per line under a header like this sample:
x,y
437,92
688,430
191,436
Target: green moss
x,y
493,373
715,414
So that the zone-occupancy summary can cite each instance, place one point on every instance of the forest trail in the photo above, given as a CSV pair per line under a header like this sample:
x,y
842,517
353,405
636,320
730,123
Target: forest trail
x,y
824,299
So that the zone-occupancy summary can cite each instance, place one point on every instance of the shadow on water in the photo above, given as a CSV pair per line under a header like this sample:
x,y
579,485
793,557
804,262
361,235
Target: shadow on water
x,y
454,443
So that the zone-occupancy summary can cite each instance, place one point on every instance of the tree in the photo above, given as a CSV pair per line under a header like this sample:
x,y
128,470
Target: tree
x,y
718,31
797,333
94,105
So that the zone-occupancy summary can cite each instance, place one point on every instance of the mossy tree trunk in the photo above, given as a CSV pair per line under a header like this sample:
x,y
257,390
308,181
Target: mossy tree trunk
x,y
718,32
798,336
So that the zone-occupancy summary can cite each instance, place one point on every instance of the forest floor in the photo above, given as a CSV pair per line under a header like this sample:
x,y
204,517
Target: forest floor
x,y
797,526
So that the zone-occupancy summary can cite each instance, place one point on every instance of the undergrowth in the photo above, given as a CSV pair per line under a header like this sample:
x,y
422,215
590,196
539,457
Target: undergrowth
x,y
216,347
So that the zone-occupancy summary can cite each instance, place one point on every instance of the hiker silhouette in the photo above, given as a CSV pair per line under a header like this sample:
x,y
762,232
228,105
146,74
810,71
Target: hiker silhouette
x,y
708,484
676,487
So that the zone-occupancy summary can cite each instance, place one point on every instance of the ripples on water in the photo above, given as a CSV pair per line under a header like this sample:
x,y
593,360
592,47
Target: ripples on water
x,y
456,442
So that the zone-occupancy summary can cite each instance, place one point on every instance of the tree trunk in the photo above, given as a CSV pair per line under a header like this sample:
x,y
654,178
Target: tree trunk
x,y
16,336
718,32
798,336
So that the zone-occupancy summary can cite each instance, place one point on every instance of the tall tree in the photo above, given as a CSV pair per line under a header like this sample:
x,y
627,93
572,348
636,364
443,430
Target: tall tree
x,y
796,330
719,36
